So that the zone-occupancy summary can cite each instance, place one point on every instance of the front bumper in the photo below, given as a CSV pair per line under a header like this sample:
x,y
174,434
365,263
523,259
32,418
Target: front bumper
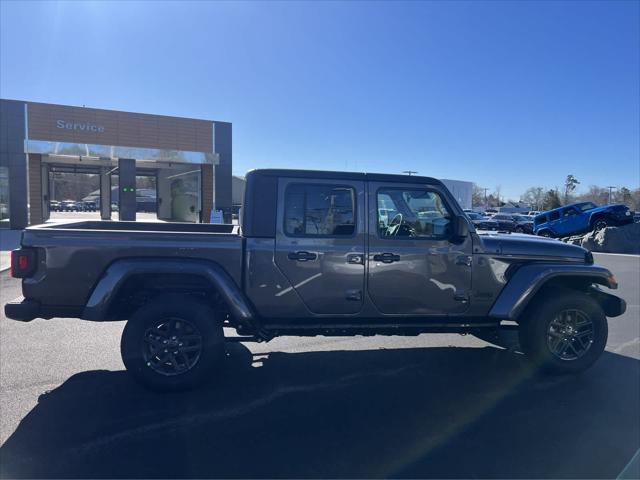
x,y
22,309
612,305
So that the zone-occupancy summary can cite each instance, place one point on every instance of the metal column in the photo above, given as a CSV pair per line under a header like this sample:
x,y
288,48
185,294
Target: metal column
x,y
127,186
105,193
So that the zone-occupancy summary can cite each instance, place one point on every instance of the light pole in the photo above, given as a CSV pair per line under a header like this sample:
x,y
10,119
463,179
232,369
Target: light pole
x,y
610,189
409,172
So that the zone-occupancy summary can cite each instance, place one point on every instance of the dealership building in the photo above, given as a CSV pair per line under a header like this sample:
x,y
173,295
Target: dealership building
x,y
188,160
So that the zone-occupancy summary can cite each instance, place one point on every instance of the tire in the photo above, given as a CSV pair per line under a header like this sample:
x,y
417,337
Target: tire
x,y
544,331
601,224
175,322
519,230
545,233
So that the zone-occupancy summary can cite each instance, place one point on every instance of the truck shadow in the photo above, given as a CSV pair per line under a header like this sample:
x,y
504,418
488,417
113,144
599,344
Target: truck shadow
x,y
432,412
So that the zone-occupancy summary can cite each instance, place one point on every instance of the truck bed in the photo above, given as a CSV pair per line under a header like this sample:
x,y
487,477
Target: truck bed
x,y
72,257
144,227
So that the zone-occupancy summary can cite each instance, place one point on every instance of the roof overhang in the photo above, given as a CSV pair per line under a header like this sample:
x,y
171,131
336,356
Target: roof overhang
x,y
114,152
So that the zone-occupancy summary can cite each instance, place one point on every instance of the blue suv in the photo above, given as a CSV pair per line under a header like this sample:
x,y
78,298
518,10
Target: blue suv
x,y
579,218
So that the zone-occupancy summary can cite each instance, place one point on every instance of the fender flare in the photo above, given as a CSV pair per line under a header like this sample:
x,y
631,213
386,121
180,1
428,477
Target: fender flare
x,y
120,271
553,233
528,280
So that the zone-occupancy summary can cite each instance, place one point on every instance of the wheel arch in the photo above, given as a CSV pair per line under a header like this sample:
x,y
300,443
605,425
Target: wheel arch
x,y
171,274
529,280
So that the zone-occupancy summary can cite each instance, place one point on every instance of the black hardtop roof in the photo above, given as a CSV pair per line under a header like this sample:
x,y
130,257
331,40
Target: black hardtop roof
x,y
334,175
562,207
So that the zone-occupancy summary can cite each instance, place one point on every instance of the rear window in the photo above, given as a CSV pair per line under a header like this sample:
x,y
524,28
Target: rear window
x,y
319,210
554,216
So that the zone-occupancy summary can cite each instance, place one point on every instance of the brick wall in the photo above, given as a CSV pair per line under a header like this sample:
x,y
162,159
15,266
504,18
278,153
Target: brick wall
x,y
35,189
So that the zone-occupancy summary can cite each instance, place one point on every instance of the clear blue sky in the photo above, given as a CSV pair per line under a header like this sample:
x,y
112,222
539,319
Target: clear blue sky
x,y
512,93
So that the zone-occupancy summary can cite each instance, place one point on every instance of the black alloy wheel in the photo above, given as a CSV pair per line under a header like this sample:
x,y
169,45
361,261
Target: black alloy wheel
x,y
173,343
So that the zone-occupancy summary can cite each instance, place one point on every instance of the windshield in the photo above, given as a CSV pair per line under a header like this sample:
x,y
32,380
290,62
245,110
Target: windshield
x,y
586,206
474,216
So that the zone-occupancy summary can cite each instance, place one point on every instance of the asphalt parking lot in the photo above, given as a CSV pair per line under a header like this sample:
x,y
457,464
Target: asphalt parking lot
x,y
426,406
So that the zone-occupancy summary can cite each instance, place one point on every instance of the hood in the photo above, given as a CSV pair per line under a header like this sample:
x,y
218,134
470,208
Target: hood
x,y
529,245
613,206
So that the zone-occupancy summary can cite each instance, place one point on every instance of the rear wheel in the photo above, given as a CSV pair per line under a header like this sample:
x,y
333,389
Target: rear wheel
x,y
564,331
172,344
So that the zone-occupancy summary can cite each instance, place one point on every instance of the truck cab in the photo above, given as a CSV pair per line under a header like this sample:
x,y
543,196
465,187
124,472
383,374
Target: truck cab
x,y
340,246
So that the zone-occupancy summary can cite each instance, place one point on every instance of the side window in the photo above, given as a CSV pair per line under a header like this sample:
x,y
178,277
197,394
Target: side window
x,y
412,213
554,216
319,210
569,212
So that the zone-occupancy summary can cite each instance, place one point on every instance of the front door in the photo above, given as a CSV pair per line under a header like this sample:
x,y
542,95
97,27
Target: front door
x,y
319,247
415,266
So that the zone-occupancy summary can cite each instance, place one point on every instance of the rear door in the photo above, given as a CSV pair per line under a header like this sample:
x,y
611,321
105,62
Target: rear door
x,y
320,241
415,267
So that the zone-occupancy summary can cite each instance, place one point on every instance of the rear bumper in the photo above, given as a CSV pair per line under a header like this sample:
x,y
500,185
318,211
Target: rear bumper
x,y
22,309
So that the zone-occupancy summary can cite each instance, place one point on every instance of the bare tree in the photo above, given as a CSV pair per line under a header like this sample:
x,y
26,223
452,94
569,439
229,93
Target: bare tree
x,y
551,200
534,196
595,194
478,196
497,196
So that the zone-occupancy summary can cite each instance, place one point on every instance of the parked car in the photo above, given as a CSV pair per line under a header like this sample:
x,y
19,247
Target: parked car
x,y
313,259
579,218
505,221
69,206
54,206
524,224
533,213
88,206
481,222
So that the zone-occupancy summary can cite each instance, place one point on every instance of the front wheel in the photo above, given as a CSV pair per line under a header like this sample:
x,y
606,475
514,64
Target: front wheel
x,y
600,224
173,343
565,331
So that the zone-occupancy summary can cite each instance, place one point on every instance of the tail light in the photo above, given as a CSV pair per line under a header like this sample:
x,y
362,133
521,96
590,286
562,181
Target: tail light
x,y
23,262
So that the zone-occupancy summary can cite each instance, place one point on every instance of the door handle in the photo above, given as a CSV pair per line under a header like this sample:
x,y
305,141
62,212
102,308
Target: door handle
x,y
464,260
302,256
355,258
386,257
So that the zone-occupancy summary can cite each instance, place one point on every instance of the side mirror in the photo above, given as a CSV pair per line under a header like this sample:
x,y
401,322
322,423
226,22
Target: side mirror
x,y
460,227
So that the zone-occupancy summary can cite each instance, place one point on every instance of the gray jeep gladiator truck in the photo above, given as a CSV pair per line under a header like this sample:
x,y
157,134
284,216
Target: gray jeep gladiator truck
x,y
317,253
